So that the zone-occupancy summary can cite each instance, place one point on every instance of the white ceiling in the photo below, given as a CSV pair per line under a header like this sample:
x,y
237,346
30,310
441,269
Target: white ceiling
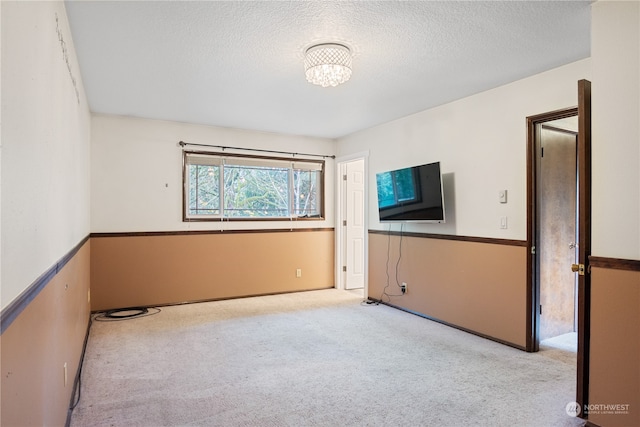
x,y
239,63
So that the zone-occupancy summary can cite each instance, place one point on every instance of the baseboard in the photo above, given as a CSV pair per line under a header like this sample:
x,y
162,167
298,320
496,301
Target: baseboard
x,y
170,304
77,382
470,331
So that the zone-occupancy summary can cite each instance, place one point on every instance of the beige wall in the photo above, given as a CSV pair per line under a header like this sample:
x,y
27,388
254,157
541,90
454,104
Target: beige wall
x,y
615,350
45,144
615,47
47,334
477,286
121,149
142,270
614,370
481,143
45,203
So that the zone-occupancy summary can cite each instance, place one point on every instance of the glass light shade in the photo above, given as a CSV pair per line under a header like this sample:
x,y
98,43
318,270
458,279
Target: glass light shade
x,y
327,64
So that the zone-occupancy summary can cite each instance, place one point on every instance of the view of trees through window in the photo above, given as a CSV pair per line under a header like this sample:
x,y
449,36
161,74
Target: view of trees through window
x,y
276,189
204,191
256,192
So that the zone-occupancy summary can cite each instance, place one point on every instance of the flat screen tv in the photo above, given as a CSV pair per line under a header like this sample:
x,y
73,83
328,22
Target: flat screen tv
x,y
411,194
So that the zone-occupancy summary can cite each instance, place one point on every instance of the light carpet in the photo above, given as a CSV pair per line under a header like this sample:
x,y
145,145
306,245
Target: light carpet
x,y
318,358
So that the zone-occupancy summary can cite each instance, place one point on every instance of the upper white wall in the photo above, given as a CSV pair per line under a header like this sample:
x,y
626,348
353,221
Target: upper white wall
x,y
481,143
136,173
45,144
615,52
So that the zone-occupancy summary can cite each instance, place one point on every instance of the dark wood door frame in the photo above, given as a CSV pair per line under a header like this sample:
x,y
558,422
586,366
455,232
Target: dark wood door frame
x,y
583,111
533,289
584,242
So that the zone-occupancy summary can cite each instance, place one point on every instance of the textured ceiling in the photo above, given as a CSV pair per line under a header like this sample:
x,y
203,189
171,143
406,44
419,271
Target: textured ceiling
x,y
239,64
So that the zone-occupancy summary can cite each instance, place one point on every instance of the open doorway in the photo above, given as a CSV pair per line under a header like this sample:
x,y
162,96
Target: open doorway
x,y
557,231
582,244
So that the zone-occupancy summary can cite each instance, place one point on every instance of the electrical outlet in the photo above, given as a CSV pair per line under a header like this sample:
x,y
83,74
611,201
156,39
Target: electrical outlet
x,y
403,287
299,272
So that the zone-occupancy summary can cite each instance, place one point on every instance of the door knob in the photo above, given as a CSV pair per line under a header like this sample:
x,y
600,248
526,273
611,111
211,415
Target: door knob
x,y
578,268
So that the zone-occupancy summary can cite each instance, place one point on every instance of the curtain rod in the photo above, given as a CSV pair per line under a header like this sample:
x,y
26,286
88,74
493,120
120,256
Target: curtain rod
x,y
324,156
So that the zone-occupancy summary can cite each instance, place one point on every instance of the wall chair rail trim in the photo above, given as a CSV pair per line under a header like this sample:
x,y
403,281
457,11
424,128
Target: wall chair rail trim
x,y
197,232
489,240
614,263
13,310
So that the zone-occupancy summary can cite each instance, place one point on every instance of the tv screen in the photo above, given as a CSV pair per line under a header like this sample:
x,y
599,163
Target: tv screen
x,y
411,194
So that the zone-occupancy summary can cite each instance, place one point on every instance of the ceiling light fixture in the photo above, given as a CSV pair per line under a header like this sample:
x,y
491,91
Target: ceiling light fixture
x,y
327,64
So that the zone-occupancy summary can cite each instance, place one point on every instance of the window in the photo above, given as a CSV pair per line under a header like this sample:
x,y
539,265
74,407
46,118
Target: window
x,y
232,186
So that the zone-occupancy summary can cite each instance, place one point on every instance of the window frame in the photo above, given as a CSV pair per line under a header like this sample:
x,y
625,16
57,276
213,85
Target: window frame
x,y
186,217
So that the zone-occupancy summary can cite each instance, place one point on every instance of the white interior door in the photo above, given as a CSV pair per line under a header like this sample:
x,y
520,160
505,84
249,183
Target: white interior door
x,y
353,225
